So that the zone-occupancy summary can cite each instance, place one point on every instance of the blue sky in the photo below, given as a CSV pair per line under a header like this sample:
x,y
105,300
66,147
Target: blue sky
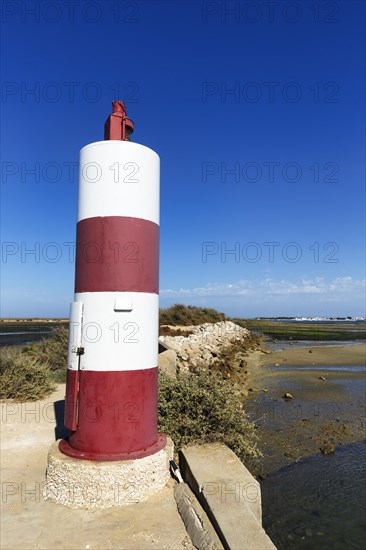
x,y
257,112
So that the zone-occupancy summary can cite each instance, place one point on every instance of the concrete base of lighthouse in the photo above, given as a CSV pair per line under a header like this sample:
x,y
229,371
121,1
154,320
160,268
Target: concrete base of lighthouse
x,y
91,485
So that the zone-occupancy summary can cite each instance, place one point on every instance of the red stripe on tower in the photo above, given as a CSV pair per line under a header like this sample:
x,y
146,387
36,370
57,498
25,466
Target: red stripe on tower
x,y
117,254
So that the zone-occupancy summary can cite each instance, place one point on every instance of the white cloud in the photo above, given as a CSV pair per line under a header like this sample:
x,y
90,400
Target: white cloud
x,y
272,287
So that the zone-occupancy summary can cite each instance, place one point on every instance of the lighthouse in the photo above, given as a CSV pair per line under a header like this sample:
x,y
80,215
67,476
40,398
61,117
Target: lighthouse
x,y
112,370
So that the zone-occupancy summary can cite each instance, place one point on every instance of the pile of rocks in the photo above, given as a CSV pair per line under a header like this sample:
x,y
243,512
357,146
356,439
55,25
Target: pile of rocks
x,y
202,346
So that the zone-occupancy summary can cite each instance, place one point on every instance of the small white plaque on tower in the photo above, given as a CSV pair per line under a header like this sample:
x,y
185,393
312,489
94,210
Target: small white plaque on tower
x,y
123,304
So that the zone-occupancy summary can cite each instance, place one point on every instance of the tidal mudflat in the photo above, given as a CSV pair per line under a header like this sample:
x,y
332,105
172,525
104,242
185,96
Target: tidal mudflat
x,y
313,471
327,406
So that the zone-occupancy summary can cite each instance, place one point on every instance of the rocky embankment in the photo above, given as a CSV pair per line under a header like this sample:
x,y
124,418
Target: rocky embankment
x,y
219,346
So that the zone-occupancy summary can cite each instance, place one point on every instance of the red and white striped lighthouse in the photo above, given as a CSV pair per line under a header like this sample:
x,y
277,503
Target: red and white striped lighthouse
x,y
112,374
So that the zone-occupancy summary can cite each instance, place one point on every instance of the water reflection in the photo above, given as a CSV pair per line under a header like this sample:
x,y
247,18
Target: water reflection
x,y
318,503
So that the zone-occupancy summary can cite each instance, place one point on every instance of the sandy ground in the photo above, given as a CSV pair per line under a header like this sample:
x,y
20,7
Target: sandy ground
x,y
28,522
325,355
321,415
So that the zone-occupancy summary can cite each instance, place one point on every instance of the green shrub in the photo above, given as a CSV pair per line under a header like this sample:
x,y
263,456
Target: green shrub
x,y
52,352
202,408
22,377
180,314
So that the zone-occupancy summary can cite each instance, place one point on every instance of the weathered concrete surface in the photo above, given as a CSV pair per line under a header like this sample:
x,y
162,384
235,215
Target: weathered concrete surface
x,y
199,527
97,485
29,522
229,494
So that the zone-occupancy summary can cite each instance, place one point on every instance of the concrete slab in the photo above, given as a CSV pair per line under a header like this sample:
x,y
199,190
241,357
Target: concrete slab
x,y
28,521
229,494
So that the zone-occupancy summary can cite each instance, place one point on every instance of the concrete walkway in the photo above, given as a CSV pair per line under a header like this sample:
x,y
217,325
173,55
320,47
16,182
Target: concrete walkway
x,y
28,522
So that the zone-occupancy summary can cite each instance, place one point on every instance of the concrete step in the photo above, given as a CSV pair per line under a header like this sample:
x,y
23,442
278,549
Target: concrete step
x,y
228,493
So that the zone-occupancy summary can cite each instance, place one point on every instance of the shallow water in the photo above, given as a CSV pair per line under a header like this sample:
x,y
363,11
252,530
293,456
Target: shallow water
x,y
23,337
298,344
318,503
15,334
323,368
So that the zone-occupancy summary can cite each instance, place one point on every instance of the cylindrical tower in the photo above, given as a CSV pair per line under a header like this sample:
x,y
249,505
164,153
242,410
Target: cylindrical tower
x,y
111,392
